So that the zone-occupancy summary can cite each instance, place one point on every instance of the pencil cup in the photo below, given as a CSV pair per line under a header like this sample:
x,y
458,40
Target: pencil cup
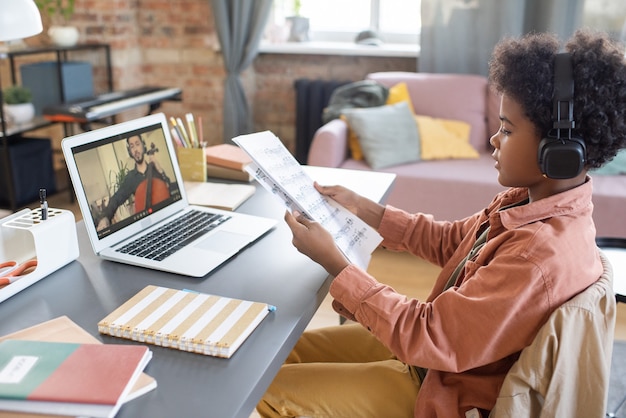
x,y
192,163
25,236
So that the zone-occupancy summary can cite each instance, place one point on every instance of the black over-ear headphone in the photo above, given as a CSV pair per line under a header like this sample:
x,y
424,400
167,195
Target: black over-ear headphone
x,y
143,142
561,154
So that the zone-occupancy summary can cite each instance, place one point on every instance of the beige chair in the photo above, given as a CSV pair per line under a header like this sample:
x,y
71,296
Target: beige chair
x,y
565,371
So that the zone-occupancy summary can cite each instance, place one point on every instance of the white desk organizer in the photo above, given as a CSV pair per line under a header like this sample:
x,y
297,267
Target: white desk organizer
x,y
24,236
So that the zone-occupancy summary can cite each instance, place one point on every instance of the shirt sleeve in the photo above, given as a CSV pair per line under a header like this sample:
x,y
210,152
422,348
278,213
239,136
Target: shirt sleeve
x,y
421,235
493,315
126,189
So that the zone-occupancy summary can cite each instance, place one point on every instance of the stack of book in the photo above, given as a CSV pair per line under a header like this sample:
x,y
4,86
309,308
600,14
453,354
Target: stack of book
x,y
58,368
227,161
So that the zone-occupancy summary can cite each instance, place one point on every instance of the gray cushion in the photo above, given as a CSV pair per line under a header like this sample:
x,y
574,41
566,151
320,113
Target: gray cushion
x,y
387,134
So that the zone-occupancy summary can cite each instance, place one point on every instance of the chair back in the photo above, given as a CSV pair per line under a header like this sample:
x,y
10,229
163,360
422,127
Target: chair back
x,y
565,371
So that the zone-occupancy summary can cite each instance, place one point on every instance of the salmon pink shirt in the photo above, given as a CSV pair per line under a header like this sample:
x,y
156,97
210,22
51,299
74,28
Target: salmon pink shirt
x,y
537,256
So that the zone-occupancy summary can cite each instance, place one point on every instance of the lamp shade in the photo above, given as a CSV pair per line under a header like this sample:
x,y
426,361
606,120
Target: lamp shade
x,y
19,19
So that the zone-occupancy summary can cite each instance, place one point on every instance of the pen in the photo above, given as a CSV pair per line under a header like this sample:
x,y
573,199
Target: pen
x,y
44,204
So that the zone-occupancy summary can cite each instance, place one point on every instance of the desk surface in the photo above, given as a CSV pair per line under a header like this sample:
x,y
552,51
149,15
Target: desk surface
x,y
189,384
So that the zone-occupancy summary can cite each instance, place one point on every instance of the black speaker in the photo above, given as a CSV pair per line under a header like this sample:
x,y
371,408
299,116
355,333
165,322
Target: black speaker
x,y
31,170
561,153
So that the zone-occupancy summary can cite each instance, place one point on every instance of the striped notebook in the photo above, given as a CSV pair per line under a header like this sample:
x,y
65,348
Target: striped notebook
x,y
185,320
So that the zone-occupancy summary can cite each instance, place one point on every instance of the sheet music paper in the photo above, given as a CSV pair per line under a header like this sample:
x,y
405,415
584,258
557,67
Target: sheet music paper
x,y
279,172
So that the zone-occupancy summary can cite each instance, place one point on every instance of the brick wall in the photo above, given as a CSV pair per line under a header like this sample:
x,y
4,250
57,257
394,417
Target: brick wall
x,y
174,43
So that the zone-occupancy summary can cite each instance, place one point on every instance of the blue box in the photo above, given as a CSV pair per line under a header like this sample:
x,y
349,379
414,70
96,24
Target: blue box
x,y
42,78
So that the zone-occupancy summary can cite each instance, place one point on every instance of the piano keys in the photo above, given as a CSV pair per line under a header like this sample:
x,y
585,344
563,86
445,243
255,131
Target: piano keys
x,y
110,104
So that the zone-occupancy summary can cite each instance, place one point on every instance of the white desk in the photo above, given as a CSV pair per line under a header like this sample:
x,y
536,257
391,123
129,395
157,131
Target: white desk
x,y
373,185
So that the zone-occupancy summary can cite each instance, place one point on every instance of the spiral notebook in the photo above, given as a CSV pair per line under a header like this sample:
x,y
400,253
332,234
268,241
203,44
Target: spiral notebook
x,y
185,320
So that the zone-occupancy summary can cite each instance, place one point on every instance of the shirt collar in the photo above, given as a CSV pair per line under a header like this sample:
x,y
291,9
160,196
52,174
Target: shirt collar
x,y
569,201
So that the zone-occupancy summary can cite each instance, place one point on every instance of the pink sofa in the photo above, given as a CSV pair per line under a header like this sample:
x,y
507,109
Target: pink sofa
x,y
453,189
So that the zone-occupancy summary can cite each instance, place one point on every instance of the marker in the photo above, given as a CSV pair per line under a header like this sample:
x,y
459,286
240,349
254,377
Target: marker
x,y
44,204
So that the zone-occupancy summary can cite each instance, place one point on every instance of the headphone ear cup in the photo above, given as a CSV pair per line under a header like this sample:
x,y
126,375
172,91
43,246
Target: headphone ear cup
x,y
561,158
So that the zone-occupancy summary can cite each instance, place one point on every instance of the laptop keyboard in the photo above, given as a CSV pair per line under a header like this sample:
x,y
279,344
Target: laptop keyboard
x,y
174,235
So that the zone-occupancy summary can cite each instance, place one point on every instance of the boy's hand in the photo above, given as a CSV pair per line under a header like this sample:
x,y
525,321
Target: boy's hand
x,y
369,211
345,197
312,240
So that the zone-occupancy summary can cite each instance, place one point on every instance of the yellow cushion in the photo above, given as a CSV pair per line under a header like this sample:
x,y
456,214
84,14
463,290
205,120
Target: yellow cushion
x,y
400,93
353,141
443,138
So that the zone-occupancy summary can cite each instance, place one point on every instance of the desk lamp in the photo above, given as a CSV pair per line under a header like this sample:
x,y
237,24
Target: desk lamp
x,y
18,19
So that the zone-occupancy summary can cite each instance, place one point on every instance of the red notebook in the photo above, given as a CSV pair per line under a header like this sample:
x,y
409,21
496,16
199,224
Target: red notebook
x,y
68,378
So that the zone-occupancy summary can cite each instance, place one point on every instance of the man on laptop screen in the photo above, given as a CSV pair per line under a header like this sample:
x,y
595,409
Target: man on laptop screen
x,y
119,194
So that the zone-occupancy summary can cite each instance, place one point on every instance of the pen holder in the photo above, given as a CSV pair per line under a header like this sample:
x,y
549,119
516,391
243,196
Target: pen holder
x,y
192,163
25,236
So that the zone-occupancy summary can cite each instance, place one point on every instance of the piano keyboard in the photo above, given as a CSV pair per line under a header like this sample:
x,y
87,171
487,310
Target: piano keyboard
x,y
109,104
109,109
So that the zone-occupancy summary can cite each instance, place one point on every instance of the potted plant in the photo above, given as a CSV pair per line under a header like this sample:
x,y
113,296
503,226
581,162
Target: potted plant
x,y
299,31
18,106
59,13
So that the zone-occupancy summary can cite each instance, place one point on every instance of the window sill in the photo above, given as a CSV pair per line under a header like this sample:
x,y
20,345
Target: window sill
x,y
340,48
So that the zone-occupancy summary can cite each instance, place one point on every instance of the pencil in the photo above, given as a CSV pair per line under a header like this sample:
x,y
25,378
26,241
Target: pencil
x,y
177,139
200,132
180,125
180,134
192,130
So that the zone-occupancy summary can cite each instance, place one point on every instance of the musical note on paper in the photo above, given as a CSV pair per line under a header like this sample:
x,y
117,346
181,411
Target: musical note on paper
x,y
279,172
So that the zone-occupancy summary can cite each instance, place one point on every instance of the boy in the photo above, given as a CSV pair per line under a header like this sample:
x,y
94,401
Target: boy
x,y
505,269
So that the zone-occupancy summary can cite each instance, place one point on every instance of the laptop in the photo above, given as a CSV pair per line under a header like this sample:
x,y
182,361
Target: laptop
x,y
131,195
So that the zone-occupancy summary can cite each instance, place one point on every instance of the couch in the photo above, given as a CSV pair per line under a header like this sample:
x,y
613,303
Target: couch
x,y
452,189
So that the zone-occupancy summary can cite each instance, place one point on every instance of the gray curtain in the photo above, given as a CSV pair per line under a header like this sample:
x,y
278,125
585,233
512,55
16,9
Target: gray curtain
x,y
459,35
239,25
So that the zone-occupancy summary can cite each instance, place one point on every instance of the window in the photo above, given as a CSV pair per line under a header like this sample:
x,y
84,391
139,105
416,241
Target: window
x,y
606,15
395,21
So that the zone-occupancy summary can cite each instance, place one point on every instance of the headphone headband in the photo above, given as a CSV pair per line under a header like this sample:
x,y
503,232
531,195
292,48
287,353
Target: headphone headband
x,y
563,102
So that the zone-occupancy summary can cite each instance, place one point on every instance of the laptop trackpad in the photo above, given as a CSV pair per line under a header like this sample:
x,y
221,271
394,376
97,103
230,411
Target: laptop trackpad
x,y
223,242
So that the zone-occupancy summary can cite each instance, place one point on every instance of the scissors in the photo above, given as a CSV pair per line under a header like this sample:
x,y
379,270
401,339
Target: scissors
x,y
11,271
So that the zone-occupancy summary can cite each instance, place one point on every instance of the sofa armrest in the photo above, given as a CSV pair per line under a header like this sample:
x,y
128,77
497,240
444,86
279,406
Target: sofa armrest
x,y
329,147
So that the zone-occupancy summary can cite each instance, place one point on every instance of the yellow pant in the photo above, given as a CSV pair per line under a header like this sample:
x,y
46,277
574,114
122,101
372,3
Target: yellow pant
x,y
341,372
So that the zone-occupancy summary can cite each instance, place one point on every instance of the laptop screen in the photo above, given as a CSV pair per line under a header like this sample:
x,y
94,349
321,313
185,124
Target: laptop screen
x,y
126,177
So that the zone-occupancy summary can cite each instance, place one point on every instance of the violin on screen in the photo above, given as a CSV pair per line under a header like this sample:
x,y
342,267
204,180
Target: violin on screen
x,y
153,149
152,190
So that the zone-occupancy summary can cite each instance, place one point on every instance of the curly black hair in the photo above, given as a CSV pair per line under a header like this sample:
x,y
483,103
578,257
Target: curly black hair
x,y
523,69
